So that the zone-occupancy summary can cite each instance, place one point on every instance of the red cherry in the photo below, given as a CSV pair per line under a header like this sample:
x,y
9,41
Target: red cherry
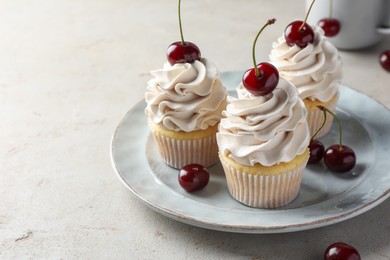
x,y
299,33
339,158
341,251
183,53
330,26
193,177
263,84
384,59
317,151
263,77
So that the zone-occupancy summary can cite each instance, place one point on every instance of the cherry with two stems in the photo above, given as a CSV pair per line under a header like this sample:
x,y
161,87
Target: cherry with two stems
x,y
299,32
193,177
263,78
182,51
338,158
330,25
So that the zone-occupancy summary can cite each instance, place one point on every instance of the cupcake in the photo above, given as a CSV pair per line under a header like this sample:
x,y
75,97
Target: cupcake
x,y
315,70
263,145
184,107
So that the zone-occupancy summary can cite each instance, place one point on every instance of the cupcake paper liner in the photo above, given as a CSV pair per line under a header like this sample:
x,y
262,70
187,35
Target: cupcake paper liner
x,y
263,191
177,153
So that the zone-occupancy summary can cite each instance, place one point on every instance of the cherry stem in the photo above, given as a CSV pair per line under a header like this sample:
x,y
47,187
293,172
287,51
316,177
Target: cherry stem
x,y
330,9
319,128
338,122
307,15
181,29
269,22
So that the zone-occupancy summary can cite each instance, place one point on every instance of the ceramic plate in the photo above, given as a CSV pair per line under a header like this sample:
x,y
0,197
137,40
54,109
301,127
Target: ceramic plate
x,y
325,198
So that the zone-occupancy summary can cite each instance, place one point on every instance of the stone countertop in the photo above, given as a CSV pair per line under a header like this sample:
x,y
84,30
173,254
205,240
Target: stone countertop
x,y
70,70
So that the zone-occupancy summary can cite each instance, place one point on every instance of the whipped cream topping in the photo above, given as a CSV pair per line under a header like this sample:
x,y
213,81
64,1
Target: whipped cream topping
x,y
315,70
185,97
264,129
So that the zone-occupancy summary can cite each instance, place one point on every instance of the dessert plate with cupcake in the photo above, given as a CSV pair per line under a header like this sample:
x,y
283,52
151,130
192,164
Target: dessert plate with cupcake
x,y
324,197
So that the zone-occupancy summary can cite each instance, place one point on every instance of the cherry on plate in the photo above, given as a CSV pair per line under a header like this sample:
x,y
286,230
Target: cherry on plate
x,y
317,150
193,177
339,158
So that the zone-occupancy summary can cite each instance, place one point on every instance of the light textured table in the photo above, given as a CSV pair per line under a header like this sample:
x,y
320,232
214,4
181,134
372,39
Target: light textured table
x,y
70,70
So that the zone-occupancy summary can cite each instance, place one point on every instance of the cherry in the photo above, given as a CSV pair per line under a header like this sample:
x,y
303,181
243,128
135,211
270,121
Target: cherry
x,y
182,51
299,32
384,59
341,251
317,151
193,177
264,77
330,26
263,84
339,158
186,52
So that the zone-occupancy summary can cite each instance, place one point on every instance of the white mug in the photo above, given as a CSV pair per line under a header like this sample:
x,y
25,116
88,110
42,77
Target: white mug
x,y
363,22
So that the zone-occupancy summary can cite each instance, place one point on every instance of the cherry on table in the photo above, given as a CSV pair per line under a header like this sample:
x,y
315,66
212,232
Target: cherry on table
x,y
341,251
384,60
330,26
339,158
317,150
299,33
186,52
193,177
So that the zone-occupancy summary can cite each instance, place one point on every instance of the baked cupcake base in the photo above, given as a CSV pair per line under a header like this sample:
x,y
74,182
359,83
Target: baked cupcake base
x,y
315,116
179,148
264,187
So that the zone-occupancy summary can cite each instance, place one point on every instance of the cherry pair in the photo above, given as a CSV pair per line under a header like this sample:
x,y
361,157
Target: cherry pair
x,y
337,157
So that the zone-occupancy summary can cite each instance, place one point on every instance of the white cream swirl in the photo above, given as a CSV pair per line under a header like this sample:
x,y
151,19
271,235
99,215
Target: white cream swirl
x,y
264,129
315,70
185,97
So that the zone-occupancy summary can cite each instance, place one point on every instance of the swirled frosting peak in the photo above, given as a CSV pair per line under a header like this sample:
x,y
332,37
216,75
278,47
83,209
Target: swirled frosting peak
x,y
315,70
185,97
264,129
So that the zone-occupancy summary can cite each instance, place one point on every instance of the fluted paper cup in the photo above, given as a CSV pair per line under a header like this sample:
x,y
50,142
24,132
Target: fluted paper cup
x,y
179,149
263,190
